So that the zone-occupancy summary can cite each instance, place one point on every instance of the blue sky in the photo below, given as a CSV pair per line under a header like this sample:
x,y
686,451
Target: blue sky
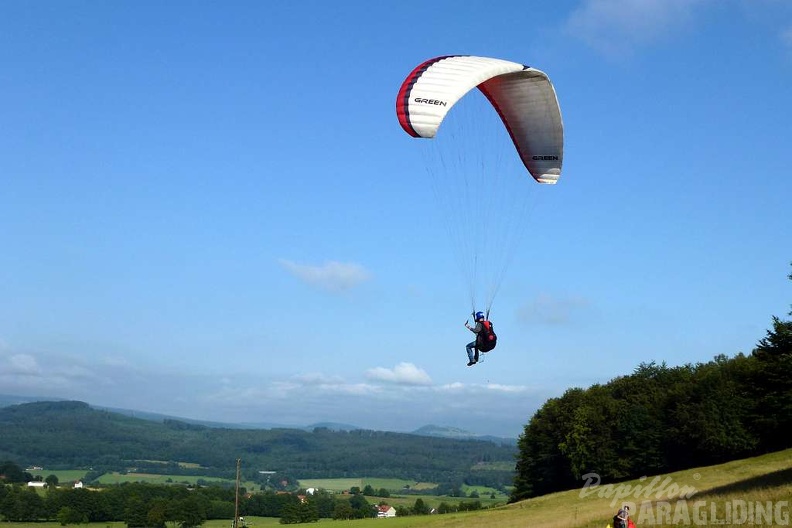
x,y
209,209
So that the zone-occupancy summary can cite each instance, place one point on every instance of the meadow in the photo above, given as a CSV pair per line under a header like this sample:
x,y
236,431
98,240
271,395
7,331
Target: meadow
x,y
344,484
64,475
397,487
153,478
73,475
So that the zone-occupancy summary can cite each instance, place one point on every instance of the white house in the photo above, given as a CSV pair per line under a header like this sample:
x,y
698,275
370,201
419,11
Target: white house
x,y
78,484
37,484
386,511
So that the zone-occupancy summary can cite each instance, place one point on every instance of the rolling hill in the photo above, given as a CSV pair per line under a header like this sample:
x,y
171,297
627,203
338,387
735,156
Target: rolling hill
x,y
427,430
68,434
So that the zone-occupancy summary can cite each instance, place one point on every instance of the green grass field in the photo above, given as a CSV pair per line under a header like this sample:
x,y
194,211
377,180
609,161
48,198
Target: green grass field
x,y
396,486
344,484
119,478
73,475
64,476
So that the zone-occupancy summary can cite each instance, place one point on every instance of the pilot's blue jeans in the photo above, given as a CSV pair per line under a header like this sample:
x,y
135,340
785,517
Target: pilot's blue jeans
x,y
471,351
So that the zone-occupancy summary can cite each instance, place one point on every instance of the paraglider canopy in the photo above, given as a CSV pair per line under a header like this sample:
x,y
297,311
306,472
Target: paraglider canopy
x,y
523,96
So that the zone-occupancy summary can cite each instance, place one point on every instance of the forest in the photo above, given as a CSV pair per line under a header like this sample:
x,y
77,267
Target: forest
x,y
660,419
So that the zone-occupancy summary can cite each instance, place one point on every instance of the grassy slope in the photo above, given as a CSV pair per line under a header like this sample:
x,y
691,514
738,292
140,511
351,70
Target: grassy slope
x,y
764,478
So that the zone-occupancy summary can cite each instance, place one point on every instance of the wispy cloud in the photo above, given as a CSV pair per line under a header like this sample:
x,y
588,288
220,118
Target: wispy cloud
x,y
618,27
396,399
22,365
401,374
786,38
481,389
317,378
331,276
66,376
549,310
26,374
499,387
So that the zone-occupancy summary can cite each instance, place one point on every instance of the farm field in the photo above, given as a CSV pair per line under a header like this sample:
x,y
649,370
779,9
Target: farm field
x,y
433,501
152,478
334,485
344,484
394,486
64,475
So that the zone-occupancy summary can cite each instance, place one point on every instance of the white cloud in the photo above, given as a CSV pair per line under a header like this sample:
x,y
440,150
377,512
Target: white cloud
x,y
498,387
402,374
481,389
321,383
617,27
317,378
65,376
394,406
331,276
25,374
23,365
298,388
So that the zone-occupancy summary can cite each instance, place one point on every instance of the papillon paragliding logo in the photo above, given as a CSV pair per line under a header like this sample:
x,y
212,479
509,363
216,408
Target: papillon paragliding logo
x,y
657,488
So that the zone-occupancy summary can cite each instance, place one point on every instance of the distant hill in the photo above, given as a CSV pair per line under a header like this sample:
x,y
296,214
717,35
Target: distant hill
x,y
460,434
157,417
8,399
427,430
70,434
333,426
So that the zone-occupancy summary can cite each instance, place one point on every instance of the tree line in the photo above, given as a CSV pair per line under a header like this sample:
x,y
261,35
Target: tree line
x,y
135,504
660,419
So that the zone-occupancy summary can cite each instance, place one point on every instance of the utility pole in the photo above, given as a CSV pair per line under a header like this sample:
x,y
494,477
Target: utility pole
x,y
236,497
